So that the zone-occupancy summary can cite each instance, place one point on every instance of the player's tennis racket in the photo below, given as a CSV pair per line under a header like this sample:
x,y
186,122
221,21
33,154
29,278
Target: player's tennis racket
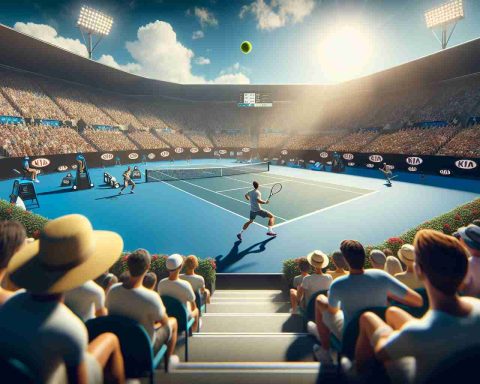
x,y
276,188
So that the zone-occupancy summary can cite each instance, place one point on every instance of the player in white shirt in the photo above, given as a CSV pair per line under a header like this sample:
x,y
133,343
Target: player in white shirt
x,y
255,198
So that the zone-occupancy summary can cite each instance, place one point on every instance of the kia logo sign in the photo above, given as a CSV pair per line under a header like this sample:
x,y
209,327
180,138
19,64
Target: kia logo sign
x,y
151,156
178,150
351,164
292,160
265,159
348,156
246,150
329,162
133,156
206,150
222,151
41,162
284,152
193,150
62,168
164,153
445,172
370,165
412,169
324,155
463,164
107,156
74,166
414,160
275,159
311,161
375,158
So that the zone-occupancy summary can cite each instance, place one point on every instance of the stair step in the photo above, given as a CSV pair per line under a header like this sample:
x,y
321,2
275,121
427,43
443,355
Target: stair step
x,y
250,294
249,348
247,323
248,307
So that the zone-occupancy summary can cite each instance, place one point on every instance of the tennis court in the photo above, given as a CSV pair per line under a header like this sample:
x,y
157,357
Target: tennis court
x,y
225,188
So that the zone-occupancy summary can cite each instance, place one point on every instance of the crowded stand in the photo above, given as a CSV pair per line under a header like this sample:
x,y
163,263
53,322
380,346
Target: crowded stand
x,y
415,141
6,108
354,142
232,139
272,140
200,139
146,140
174,138
311,141
21,140
109,140
465,143
147,113
117,107
27,96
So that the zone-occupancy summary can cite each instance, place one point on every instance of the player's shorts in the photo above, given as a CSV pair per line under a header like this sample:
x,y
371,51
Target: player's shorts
x,y
128,182
261,213
334,323
163,335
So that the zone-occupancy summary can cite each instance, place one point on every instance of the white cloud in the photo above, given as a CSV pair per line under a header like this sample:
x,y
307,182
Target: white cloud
x,y
198,35
50,35
278,13
205,17
200,60
159,55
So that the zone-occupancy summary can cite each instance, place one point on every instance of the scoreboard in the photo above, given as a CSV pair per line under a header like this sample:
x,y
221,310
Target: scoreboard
x,y
255,100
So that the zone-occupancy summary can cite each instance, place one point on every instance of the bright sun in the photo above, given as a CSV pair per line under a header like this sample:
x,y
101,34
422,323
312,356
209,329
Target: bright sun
x,y
344,53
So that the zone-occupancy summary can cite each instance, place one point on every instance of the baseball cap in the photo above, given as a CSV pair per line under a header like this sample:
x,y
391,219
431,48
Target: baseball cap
x,y
174,262
471,236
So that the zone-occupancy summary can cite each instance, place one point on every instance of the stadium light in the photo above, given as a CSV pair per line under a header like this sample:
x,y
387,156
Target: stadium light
x,y
443,17
92,22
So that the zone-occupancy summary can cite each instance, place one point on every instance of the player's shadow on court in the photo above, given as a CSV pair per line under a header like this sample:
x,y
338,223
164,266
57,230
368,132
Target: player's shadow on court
x,y
234,255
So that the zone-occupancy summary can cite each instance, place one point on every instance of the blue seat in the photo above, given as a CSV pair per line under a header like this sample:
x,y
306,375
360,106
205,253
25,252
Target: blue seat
x,y
414,311
200,300
346,347
309,311
177,309
138,355
15,371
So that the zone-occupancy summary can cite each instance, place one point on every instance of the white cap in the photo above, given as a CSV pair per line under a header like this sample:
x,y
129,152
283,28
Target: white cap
x,y
174,262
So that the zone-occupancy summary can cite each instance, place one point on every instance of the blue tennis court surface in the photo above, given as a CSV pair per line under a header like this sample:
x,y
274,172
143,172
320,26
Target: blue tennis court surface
x,y
315,210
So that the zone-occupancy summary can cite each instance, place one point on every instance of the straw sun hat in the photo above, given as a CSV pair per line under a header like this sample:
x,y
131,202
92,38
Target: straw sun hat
x,y
318,259
68,253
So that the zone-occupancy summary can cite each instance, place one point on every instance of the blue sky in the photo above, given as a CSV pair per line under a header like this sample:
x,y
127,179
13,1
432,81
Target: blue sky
x,y
294,41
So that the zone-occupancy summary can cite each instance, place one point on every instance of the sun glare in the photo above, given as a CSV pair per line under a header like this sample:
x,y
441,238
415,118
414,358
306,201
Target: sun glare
x,y
345,52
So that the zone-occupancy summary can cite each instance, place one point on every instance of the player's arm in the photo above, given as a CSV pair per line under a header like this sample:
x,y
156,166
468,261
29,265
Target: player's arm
x,y
260,201
247,197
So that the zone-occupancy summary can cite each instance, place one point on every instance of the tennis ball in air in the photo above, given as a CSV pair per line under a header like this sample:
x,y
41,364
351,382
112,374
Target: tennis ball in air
x,y
246,47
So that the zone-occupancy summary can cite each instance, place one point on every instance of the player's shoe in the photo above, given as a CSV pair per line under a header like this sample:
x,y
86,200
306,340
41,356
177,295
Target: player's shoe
x,y
120,192
36,181
132,192
239,236
273,234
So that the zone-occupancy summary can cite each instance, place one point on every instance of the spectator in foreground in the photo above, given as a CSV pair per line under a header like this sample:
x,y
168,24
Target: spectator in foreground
x,y
470,238
407,255
150,280
179,289
108,281
317,281
37,328
393,266
87,301
476,222
12,238
196,281
378,259
451,324
352,293
341,267
304,267
131,299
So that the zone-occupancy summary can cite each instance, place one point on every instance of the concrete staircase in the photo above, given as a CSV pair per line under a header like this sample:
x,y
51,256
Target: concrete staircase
x,y
247,336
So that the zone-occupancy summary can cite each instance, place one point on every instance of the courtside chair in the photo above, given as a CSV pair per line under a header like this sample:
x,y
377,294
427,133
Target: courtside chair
x,y
177,309
346,347
309,311
138,355
201,301
14,371
417,312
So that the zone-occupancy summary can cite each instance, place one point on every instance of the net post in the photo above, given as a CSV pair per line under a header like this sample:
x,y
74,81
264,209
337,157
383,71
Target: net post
x,y
146,175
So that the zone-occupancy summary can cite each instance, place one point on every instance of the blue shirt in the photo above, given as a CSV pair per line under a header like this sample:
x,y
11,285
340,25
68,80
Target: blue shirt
x,y
353,293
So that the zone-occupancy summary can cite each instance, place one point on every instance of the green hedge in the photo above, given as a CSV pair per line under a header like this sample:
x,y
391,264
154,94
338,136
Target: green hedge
x,y
448,223
34,224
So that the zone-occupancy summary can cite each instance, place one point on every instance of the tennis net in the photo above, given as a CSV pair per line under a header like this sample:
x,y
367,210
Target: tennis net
x,y
172,174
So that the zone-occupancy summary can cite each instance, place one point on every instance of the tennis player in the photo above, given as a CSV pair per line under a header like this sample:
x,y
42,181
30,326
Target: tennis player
x,y
255,198
127,180
388,173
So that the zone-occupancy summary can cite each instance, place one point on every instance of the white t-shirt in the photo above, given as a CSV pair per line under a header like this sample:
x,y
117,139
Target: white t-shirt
x,y
297,280
85,300
179,289
42,334
434,338
315,283
140,304
196,281
254,195
472,280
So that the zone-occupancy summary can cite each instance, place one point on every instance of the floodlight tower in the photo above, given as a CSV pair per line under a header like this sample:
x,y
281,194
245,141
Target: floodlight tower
x,y
445,17
92,22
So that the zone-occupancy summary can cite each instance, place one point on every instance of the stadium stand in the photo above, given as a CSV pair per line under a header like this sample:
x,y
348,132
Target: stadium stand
x,y
232,140
311,141
355,141
109,140
199,138
174,138
116,106
465,143
146,140
271,140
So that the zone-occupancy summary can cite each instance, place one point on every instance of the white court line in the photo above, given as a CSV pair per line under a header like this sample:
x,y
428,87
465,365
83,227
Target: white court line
x,y
324,209
215,205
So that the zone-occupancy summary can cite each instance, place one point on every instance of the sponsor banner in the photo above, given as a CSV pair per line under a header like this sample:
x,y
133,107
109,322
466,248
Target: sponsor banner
x,y
179,150
265,159
62,168
445,172
412,169
370,165
351,164
107,156
275,158
151,156
164,153
222,151
207,150
375,158
414,160
284,152
246,150
348,156
74,166
329,162
312,161
41,162
133,156
194,150
465,164
324,155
